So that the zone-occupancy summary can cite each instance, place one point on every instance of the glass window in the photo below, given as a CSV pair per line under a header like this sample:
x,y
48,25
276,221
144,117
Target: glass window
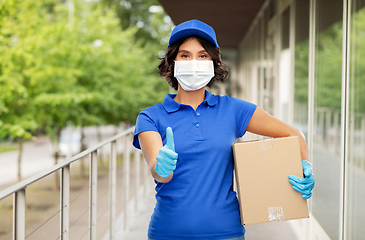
x,y
269,77
356,133
301,66
327,115
284,82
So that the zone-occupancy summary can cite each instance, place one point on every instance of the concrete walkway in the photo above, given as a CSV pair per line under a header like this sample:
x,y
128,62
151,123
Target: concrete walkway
x,y
138,225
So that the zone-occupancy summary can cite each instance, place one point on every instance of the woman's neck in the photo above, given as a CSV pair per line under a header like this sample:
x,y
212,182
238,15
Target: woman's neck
x,y
191,98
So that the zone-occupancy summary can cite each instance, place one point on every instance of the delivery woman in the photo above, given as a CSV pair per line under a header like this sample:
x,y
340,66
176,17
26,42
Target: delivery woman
x,y
187,142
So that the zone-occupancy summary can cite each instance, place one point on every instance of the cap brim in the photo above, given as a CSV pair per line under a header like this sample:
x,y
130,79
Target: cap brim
x,y
192,32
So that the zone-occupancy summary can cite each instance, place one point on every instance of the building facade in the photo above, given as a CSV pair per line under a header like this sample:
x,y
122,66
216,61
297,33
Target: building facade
x,y
302,61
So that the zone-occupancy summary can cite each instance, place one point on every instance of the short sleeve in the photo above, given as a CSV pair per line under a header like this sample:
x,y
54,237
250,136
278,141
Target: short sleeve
x,y
144,123
243,113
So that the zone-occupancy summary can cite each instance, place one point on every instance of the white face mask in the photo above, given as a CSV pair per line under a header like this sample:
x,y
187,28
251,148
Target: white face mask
x,y
194,74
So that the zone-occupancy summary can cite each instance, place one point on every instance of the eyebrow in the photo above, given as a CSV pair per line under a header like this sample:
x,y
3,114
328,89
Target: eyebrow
x,y
186,51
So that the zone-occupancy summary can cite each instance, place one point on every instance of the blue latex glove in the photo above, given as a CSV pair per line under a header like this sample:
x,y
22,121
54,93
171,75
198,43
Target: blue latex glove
x,y
167,157
306,184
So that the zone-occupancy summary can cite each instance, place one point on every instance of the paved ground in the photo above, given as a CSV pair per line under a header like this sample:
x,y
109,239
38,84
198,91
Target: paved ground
x,y
139,223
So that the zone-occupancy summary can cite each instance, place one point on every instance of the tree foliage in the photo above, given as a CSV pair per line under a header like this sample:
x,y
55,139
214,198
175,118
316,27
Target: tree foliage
x,y
328,70
72,62
152,28
357,63
328,66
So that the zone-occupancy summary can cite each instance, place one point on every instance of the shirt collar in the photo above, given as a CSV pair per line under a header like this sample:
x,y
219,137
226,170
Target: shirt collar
x,y
171,105
210,99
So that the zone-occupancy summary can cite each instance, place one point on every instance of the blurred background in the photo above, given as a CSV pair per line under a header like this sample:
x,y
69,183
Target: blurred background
x,y
66,66
74,73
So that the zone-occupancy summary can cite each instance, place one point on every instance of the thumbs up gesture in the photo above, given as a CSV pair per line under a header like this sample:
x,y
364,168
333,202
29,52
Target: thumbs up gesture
x,y
167,157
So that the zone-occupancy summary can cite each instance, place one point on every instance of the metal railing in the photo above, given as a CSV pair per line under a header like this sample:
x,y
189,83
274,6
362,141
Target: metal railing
x,y
19,190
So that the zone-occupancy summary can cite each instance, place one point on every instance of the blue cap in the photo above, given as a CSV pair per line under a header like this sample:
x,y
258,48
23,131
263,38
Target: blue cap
x,y
193,28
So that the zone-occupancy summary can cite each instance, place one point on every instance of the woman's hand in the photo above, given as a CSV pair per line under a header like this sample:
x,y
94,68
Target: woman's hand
x,y
160,159
167,157
306,184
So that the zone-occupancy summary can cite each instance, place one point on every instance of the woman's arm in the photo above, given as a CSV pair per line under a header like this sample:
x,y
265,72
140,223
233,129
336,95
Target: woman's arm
x,y
264,124
151,143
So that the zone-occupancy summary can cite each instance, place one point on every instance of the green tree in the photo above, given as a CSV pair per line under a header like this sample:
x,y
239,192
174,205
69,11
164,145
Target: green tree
x,y
65,64
153,24
328,74
16,110
357,64
328,67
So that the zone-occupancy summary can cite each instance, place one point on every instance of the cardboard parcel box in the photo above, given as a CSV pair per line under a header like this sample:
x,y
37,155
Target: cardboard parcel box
x,y
264,191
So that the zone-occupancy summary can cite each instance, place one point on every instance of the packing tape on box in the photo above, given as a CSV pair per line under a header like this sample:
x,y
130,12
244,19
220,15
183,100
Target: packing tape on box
x,y
276,214
266,145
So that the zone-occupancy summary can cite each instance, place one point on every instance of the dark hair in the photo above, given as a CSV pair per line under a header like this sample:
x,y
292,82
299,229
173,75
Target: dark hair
x,y
166,67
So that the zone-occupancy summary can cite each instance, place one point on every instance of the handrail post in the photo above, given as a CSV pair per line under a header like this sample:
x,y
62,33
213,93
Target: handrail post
x,y
65,203
126,174
112,189
146,173
19,215
137,170
93,178
19,190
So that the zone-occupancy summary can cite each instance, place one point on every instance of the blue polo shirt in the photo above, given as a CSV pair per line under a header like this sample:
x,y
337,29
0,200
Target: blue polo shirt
x,y
199,201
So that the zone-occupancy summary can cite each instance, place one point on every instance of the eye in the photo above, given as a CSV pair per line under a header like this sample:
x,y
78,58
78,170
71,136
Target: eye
x,y
185,56
203,55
